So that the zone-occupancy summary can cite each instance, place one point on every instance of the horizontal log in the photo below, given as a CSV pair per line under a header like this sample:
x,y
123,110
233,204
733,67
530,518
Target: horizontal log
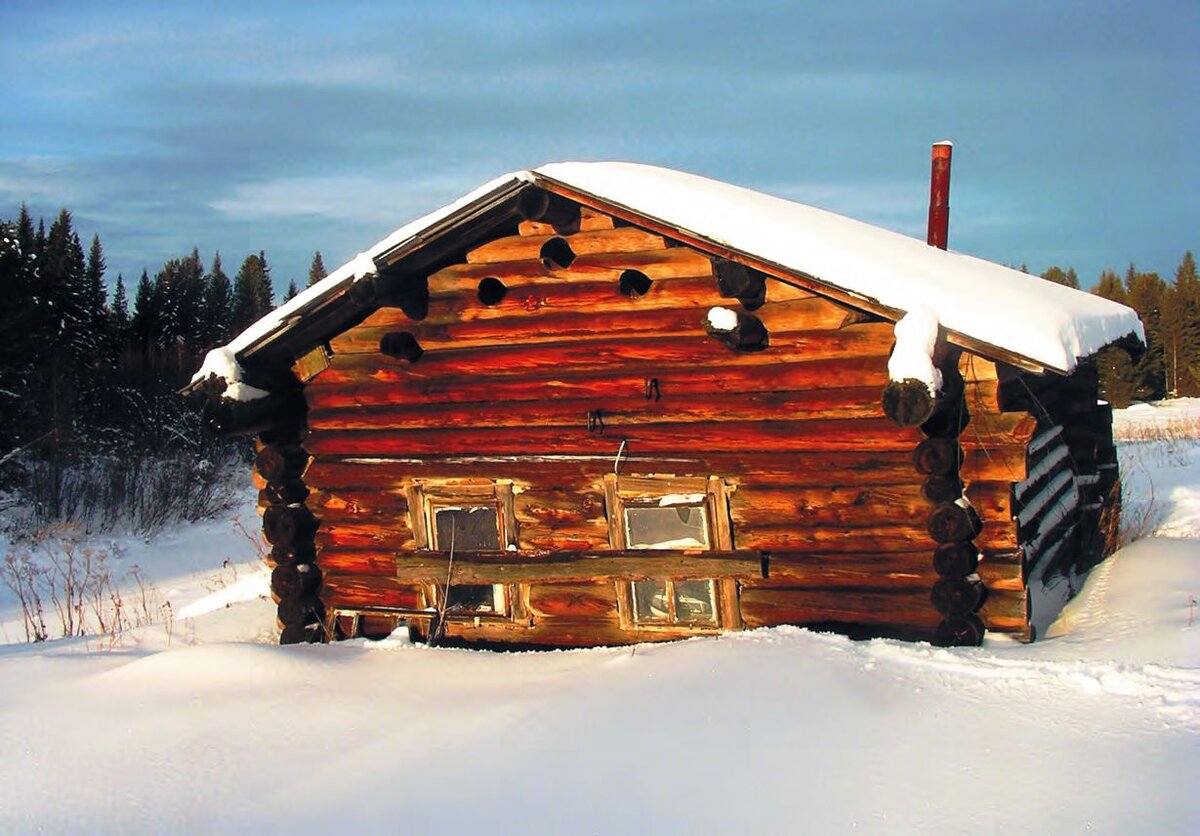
x,y
956,596
295,580
572,599
340,591
288,525
848,572
336,535
329,394
837,468
938,457
831,540
281,463
589,220
651,316
1002,608
616,414
519,247
595,631
634,354
902,608
600,270
733,436
952,523
345,504
526,567
840,506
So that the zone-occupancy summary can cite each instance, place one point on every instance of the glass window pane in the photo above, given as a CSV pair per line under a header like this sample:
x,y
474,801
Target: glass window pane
x,y
472,598
650,601
694,601
666,527
468,529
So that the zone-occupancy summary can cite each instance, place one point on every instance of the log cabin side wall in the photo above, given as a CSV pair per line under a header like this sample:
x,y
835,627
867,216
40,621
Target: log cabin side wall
x,y
540,388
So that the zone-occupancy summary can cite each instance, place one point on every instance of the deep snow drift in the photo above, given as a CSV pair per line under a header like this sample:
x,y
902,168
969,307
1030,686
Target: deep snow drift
x,y
209,727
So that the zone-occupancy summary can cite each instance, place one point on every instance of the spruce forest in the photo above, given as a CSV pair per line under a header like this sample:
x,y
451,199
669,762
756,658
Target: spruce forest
x,y
94,432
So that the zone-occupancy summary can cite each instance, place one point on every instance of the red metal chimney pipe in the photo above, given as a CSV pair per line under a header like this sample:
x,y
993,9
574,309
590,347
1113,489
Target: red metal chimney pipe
x,y
939,195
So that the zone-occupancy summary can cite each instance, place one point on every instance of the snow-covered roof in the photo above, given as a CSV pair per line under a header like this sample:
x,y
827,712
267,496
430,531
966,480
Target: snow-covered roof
x,y
1048,324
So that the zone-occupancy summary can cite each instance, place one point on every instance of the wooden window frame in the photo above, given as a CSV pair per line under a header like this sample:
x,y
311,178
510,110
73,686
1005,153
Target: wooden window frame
x,y
425,498
621,492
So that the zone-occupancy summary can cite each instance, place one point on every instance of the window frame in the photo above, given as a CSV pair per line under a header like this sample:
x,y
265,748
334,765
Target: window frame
x,y
622,492
426,498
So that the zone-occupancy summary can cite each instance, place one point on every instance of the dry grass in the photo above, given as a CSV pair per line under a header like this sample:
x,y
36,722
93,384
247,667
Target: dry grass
x,y
1177,429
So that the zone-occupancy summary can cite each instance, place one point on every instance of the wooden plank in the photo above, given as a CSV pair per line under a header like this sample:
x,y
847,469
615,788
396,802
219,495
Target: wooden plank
x,y
616,413
529,567
519,247
328,394
870,571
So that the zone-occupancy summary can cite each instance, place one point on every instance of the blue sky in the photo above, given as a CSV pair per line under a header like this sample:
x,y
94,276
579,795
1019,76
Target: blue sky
x,y
292,127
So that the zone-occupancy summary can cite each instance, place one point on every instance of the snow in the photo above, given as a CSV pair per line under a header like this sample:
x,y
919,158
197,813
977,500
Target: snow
x,y
210,728
722,319
1046,322
912,357
1050,324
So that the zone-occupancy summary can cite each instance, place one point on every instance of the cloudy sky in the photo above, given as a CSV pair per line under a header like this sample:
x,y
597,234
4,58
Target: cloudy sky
x,y
291,127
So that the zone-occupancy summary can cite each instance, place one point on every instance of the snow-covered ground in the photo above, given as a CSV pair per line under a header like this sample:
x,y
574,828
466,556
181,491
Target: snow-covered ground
x,y
207,726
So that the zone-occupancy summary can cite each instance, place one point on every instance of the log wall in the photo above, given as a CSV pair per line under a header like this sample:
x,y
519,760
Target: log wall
x,y
552,375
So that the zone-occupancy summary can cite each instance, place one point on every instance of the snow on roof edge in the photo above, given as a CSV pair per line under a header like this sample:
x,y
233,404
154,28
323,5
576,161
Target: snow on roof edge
x,y
1052,325
221,361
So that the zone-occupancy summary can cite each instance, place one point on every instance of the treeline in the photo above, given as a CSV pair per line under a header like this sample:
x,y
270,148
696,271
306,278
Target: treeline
x,y
1169,366
84,375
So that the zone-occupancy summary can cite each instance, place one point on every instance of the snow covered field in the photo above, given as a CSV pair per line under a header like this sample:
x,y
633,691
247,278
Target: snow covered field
x,y
206,726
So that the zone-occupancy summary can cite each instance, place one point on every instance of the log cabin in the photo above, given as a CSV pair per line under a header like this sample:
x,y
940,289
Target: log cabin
x,y
607,403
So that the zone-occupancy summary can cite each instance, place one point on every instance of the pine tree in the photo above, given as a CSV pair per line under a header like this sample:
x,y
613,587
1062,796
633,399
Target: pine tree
x,y
1058,276
316,272
292,290
251,292
120,309
144,324
1110,287
217,305
1144,293
1181,330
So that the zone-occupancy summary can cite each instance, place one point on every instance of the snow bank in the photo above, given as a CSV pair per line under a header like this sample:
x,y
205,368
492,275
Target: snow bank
x,y
212,731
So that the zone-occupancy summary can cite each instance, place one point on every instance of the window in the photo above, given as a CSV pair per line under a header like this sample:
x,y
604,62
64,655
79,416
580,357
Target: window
x,y
671,514
458,518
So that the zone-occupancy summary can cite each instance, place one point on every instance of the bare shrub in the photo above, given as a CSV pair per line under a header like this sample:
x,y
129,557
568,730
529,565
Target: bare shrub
x,y
62,575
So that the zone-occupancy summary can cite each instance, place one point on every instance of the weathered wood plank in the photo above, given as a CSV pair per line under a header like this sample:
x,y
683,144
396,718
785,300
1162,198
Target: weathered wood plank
x,y
527,567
